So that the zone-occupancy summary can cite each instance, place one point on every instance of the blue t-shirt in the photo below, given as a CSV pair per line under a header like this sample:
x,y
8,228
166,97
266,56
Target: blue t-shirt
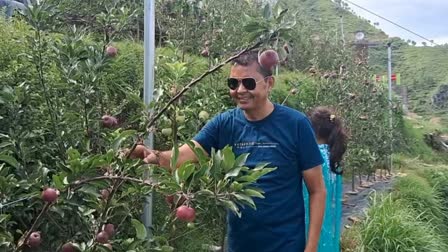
x,y
286,140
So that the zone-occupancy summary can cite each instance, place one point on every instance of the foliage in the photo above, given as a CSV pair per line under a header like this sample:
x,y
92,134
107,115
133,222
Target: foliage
x,y
391,226
57,81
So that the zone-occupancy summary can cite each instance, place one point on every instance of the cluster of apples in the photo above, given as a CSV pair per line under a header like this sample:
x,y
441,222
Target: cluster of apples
x,y
50,195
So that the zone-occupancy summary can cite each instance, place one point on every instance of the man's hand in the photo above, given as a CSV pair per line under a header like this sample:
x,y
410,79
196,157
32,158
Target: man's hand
x,y
163,159
140,152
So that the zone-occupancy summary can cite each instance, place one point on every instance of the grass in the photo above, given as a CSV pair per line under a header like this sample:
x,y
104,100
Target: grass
x,y
392,226
416,193
414,144
411,218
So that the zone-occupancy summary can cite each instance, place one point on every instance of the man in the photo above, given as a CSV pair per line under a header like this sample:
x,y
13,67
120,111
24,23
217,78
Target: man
x,y
271,133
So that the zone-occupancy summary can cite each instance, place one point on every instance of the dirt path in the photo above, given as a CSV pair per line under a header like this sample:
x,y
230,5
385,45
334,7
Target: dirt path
x,y
355,204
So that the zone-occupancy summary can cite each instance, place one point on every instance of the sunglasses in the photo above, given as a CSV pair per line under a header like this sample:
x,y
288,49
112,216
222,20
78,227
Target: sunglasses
x,y
248,83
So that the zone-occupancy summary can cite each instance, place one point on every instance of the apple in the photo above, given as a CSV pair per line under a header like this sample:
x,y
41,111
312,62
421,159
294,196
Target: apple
x,y
167,131
186,213
34,240
102,237
286,48
180,119
109,229
171,199
268,59
111,51
203,115
205,52
50,195
68,247
109,121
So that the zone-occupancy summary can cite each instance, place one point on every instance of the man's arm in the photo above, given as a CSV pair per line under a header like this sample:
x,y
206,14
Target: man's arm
x,y
316,188
163,158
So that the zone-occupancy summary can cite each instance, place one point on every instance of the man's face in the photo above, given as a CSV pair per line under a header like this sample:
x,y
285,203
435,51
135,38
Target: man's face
x,y
246,99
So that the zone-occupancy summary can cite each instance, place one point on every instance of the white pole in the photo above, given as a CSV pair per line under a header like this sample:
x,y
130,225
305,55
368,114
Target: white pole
x,y
342,29
148,90
389,69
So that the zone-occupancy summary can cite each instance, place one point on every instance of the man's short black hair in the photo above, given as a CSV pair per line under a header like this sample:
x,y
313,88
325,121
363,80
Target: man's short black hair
x,y
249,58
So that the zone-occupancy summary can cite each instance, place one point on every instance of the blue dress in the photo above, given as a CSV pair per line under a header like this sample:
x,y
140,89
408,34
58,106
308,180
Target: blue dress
x,y
331,226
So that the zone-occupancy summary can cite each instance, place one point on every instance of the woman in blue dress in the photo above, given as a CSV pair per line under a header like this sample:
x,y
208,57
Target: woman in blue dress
x,y
332,140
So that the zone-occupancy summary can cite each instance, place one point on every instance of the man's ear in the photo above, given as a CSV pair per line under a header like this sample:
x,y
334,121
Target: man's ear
x,y
271,82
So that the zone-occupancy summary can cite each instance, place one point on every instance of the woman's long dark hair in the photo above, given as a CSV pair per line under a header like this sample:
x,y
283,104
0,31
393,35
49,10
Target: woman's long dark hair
x,y
329,128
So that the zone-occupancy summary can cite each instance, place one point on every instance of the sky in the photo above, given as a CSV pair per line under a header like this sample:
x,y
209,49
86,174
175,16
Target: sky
x,y
428,18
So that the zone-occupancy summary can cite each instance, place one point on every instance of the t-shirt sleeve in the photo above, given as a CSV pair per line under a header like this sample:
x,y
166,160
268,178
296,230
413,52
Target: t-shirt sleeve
x,y
308,149
208,136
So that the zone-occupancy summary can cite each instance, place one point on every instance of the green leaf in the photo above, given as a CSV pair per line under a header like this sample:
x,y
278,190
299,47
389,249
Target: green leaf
x,y
252,26
246,178
200,154
116,145
235,186
139,229
4,144
167,248
216,164
280,14
4,170
58,182
246,200
10,160
267,11
231,206
241,160
4,217
228,158
73,154
206,192
233,173
253,193
185,171
174,157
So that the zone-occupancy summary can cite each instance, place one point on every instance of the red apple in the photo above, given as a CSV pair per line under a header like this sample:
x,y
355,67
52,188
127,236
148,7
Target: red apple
x,y
186,213
111,51
105,194
172,199
205,52
109,229
68,247
286,48
102,237
50,195
169,199
268,59
109,121
34,240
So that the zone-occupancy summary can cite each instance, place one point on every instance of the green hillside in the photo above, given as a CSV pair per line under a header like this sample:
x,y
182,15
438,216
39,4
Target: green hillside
x,y
325,14
422,69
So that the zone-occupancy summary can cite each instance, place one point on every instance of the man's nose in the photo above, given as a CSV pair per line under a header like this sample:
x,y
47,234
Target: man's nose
x,y
241,88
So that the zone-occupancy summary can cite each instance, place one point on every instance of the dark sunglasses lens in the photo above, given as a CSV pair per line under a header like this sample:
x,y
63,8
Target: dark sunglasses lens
x,y
232,83
249,83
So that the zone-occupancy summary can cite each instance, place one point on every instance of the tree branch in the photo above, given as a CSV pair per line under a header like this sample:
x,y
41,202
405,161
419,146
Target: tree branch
x,y
154,118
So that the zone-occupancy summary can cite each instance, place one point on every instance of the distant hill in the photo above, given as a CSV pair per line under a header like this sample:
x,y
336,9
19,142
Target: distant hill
x,y
423,69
